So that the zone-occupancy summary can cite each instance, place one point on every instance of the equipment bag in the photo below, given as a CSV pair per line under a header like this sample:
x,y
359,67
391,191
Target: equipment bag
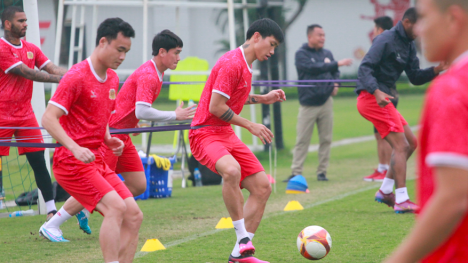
x,y
208,177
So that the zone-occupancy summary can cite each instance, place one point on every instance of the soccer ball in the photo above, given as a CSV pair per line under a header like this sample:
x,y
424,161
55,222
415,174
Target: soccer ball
x,y
314,242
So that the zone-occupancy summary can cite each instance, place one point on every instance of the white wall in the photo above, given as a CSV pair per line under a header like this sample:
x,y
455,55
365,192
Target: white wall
x,y
196,28
346,27
343,21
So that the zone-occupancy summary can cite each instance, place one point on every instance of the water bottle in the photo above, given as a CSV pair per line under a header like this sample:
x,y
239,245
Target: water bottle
x,y
191,103
29,212
197,176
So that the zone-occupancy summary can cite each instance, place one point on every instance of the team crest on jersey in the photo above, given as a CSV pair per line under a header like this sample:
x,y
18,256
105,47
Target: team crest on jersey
x,y
112,94
30,55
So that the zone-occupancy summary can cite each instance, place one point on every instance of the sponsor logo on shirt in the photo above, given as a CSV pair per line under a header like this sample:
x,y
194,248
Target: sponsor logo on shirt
x,y
93,94
16,56
398,56
245,86
112,94
30,55
313,60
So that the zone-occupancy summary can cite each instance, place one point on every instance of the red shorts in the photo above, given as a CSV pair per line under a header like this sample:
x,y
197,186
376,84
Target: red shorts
x,y
88,182
26,135
385,120
129,161
209,146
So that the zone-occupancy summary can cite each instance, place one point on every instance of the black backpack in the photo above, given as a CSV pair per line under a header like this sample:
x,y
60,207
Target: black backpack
x,y
27,198
60,195
30,198
208,177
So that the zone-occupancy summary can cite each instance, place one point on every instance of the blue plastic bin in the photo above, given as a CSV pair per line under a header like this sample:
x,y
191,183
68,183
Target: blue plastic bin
x,y
157,180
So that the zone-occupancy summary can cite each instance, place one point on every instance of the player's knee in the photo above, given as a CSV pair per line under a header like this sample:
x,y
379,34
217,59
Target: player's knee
x,y
118,208
402,146
231,174
139,188
139,217
264,190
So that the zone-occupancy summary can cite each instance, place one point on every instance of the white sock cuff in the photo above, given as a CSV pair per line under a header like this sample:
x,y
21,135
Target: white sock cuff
x,y
251,235
382,167
387,185
50,206
64,213
401,195
239,227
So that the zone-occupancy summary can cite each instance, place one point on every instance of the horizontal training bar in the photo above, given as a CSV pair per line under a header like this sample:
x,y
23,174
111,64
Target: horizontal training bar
x,y
112,131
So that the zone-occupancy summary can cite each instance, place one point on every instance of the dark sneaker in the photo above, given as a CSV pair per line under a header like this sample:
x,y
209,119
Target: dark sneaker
x,y
246,247
388,199
289,178
406,207
322,177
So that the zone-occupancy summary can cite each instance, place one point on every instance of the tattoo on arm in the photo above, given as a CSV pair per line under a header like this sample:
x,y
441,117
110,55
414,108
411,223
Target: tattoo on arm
x,y
227,116
51,68
252,99
32,74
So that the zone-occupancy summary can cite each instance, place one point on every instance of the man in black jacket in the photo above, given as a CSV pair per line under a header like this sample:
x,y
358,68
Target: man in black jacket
x,y
313,62
392,52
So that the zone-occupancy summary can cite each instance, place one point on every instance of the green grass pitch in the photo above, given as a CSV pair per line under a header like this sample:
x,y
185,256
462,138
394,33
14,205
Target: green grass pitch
x,y
362,230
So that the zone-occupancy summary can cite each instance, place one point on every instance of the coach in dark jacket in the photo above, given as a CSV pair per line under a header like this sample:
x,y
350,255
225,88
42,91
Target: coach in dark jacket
x,y
313,62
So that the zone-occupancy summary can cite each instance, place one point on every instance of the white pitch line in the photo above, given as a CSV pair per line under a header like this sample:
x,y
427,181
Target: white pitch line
x,y
315,147
211,232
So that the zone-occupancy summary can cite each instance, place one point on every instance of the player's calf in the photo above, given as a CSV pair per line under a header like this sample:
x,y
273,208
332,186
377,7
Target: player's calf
x,y
131,223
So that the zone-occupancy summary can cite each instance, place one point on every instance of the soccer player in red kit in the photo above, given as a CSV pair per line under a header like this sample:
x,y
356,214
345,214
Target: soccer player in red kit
x,y
441,231
18,59
133,103
214,143
77,117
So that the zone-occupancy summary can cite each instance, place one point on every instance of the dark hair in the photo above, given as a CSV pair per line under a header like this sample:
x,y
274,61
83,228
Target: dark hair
x,y
9,13
311,28
111,27
384,22
266,27
411,15
167,40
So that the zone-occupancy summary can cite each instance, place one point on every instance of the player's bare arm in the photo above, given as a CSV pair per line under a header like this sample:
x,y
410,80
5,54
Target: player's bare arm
x,y
270,98
50,121
220,109
53,69
114,143
433,227
35,75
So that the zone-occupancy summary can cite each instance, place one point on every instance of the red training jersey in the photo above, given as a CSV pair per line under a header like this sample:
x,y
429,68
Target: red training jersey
x,y
444,142
232,78
16,91
142,87
88,102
